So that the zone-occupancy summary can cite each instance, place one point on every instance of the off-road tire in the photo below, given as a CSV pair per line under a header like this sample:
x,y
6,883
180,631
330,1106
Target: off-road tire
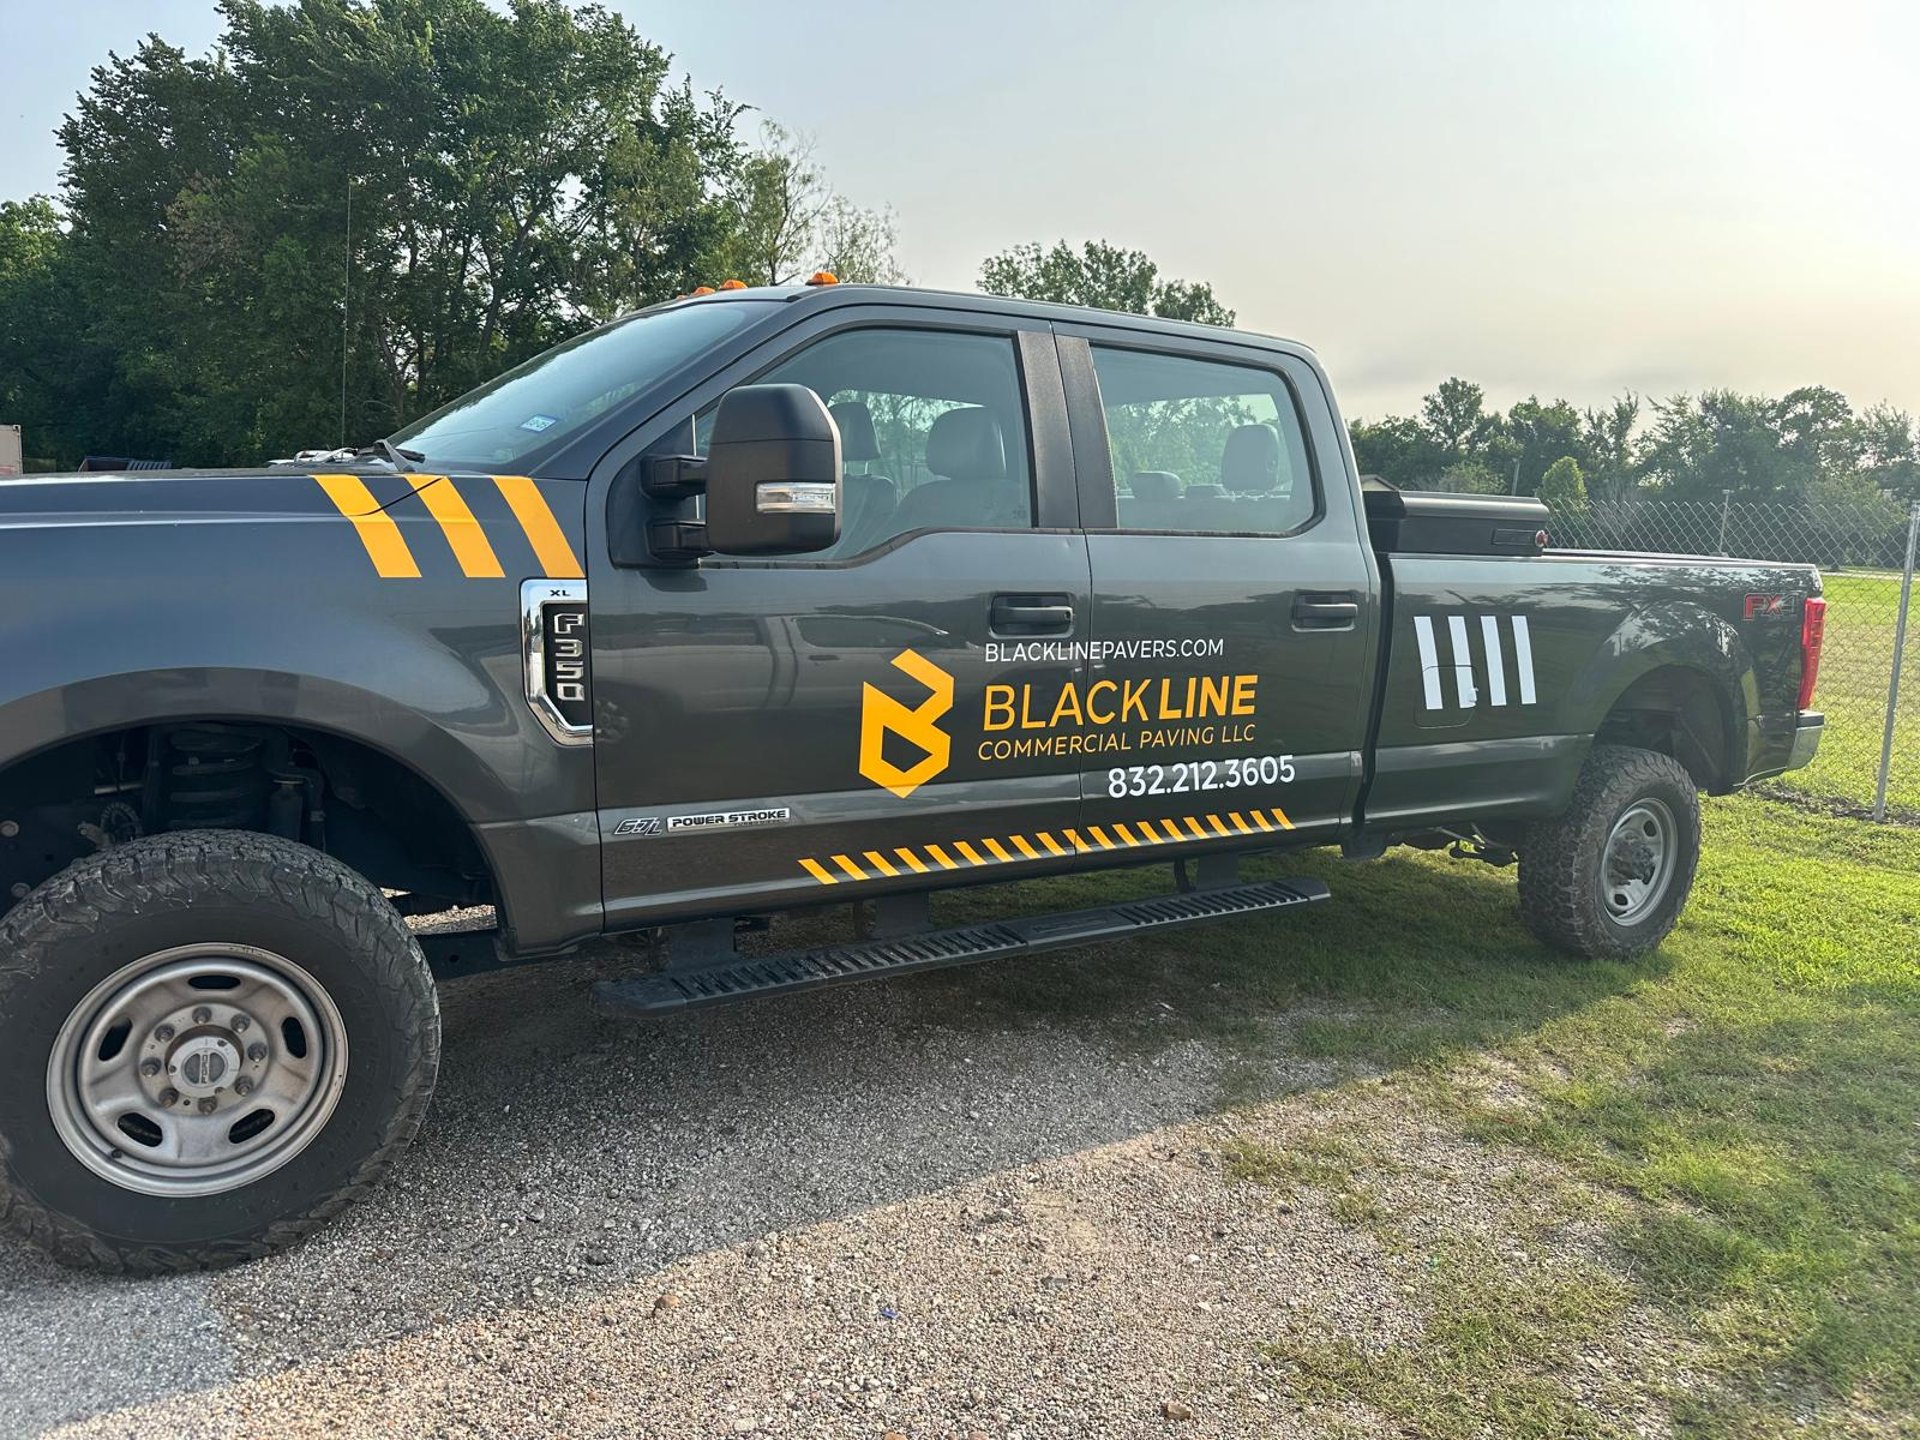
x,y
194,887
1561,859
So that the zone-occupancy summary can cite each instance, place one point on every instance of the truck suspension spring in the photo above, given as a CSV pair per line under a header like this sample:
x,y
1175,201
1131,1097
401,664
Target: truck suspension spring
x,y
212,778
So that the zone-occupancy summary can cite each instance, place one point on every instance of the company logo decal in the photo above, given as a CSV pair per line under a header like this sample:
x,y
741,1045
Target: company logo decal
x,y
918,725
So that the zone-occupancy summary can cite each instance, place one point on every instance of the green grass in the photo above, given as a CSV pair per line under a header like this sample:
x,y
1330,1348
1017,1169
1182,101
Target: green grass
x,y
1855,667
1746,1102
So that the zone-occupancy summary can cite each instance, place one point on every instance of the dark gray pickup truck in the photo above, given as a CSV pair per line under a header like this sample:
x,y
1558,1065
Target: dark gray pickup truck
x,y
766,600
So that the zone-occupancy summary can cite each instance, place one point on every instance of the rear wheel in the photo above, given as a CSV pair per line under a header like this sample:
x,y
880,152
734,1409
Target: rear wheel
x,y
210,1042
1610,876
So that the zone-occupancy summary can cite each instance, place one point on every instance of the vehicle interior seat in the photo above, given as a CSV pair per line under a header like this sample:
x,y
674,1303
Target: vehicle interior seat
x,y
967,450
1151,501
868,501
1249,498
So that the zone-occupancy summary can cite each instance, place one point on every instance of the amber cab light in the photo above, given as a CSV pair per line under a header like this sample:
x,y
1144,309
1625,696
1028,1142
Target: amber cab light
x,y
733,284
1813,634
824,277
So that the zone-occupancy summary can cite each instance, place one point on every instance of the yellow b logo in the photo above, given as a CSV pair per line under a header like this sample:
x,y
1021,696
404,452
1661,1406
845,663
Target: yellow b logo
x,y
881,714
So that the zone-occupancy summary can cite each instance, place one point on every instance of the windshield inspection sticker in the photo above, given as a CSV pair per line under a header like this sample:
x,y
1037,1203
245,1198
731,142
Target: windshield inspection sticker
x,y
537,423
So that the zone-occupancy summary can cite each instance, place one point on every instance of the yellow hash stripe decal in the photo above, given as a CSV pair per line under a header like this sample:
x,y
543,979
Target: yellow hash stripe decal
x,y
549,541
874,858
819,872
1047,840
1214,820
1281,816
994,849
1122,831
1020,843
1194,826
385,545
1073,837
913,860
1239,823
1259,820
847,865
972,855
1101,836
1173,830
944,860
464,536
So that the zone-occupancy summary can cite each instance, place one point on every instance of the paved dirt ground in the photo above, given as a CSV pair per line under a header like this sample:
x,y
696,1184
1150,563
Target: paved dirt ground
x,y
840,1215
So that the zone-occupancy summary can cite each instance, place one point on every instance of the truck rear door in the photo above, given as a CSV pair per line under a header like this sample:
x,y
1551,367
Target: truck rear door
x,y
1235,603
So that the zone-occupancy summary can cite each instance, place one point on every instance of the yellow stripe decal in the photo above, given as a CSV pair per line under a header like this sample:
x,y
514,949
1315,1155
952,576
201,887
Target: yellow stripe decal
x,y
818,871
1020,844
1194,826
945,861
913,860
1214,820
1239,822
464,536
847,865
1047,840
1259,820
549,541
1073,836
875,859
994,849
1281,816
1173,830
1101,836
972,855
385,545
1122,831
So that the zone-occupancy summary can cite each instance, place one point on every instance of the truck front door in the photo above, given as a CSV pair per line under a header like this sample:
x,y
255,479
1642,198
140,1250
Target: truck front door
x,y
1234,597
772,733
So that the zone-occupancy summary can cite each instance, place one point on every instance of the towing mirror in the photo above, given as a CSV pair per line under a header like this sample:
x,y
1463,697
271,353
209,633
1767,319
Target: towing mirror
x,y
773,472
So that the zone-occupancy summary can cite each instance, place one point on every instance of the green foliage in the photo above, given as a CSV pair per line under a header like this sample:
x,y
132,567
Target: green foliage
x,y
513,174
1564,486
1804,447
1102,276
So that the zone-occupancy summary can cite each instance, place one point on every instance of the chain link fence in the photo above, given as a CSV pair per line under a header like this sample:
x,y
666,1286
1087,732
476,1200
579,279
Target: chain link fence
x,y
1869,760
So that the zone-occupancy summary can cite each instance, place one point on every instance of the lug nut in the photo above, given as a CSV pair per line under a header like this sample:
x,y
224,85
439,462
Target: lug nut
x,y
169,1096
240,1023
243,1086
163,1034
9,829
256,1052
202,1015
149,1068
206,1106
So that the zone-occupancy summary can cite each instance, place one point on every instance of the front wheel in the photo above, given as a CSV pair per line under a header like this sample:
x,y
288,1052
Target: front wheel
x,y
210,1042
1610,876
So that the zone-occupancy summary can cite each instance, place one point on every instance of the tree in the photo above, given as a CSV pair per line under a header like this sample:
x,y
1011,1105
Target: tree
x,y
1612,472
512,174
1102,276
793,223
1563,486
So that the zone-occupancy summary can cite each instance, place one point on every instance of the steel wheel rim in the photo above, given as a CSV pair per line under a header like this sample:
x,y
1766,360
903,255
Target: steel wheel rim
x,y
1637,864
160,1077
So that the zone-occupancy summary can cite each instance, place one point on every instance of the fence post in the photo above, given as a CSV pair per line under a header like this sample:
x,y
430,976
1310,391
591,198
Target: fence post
x,y
1726,504
1899,656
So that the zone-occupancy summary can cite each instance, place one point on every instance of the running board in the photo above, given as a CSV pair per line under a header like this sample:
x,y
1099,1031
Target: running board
x,y
785,972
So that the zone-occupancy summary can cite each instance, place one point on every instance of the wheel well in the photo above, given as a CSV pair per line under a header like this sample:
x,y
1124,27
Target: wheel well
x,y
339,795
1680,713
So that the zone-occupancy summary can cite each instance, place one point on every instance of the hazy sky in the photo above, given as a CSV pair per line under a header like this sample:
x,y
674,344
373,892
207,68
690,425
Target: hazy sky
x,y
1569,198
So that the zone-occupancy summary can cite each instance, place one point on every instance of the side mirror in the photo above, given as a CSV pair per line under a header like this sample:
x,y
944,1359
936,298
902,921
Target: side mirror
x,y
772,472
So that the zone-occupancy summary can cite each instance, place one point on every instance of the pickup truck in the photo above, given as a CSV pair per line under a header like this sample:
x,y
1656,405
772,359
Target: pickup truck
x,y
754,603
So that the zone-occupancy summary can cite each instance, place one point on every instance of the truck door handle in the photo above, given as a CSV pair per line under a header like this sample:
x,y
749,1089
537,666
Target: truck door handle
x,y
1028,617
1337,611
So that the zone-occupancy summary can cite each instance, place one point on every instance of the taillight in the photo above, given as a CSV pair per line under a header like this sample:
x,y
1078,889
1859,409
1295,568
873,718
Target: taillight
x,y
1813,634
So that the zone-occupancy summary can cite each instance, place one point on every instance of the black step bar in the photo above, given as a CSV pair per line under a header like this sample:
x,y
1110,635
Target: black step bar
x,y
783,973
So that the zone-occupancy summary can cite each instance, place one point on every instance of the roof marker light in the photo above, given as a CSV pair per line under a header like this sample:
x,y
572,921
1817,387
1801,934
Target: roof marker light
x,y
824,277
733,284
703,290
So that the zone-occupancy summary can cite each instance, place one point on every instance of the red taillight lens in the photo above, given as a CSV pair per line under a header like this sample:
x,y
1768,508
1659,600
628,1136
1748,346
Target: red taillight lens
x,y
1813,634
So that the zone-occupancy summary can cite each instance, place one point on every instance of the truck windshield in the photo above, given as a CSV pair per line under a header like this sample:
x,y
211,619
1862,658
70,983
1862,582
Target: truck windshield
x,y
554,395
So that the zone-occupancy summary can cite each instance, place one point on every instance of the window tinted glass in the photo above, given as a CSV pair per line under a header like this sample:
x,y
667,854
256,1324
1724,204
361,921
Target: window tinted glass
x,y
1202,445
933,431
557,393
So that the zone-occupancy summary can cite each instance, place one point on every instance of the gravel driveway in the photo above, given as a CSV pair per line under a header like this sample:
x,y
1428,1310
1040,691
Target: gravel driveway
x,y
843,1214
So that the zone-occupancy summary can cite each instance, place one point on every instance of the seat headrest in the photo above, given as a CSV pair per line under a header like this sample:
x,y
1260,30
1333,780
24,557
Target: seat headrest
x,y
1251,463
966,445
857,438
1154,485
